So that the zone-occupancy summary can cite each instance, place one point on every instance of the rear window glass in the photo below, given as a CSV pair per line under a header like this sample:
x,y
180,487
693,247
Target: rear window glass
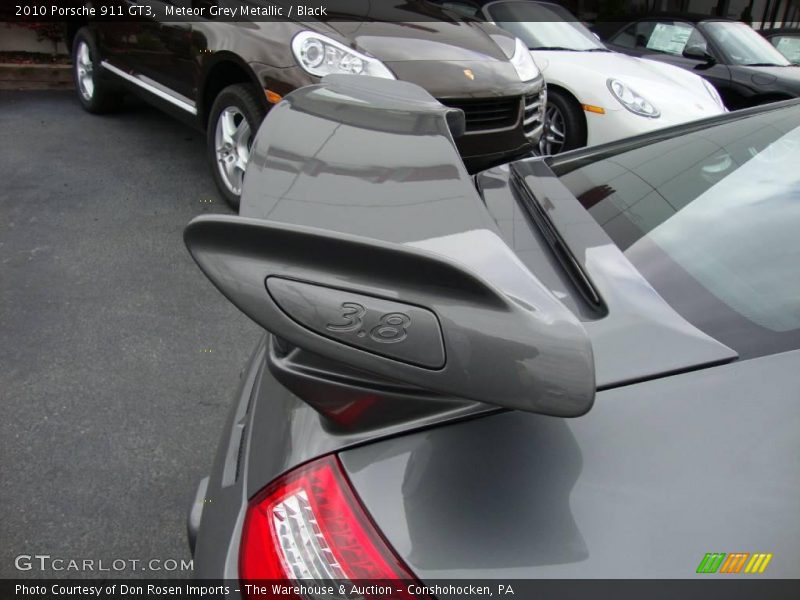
x,y
712,220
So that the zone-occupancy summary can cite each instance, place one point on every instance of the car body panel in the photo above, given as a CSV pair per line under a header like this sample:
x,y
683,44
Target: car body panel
x,y
662,471
431,40
654,477
313,158
270,430
634,313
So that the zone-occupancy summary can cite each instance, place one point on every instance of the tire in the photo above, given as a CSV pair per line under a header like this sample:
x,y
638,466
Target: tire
x,y
565,125
234,119
96,94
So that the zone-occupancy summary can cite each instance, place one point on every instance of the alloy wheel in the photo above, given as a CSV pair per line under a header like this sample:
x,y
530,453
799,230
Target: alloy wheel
x,y
85,70
233,139
555,132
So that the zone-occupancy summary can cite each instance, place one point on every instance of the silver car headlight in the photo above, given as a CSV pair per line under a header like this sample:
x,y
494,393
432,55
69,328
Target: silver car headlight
x,y
712,91
320,55
523,62
634,102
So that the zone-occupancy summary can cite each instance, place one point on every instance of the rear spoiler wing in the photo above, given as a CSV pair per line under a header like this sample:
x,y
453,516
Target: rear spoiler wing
x,y
364,246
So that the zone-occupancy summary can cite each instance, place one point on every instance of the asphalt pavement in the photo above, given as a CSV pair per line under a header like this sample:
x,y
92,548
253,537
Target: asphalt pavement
x,y
118,358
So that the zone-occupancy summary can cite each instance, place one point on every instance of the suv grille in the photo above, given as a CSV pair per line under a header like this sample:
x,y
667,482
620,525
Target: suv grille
x,y
532,117
487,114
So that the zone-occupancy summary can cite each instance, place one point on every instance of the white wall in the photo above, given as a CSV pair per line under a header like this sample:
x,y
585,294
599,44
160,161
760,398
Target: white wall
x,y
19,39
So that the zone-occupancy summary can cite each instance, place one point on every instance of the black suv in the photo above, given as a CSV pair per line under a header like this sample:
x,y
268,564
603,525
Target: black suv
x,y
223,76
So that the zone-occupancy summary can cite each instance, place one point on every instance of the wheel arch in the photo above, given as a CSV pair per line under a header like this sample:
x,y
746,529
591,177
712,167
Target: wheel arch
x,y
570,95
224,69
72,27
559,87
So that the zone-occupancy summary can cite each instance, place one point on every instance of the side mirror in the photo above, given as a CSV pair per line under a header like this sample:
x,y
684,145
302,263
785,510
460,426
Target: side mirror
x,y
698,53
410,315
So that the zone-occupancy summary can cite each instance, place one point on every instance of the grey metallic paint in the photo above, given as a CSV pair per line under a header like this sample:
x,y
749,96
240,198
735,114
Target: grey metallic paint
x,y
320,309
328,145
508,341
529,354
636,314
289,433
657,474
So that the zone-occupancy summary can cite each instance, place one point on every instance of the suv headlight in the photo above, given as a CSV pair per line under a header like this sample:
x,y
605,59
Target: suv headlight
x,y
523,62
320,55
636,103
712,91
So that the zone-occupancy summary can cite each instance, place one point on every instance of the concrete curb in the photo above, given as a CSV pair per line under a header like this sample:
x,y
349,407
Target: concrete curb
x,y
35,77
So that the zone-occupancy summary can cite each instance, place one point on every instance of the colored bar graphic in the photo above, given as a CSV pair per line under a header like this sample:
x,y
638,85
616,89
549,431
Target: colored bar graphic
x,y
734,562
758,564
711,562
731,564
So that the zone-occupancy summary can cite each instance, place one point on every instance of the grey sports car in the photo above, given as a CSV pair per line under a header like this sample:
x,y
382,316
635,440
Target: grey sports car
x,y
585,366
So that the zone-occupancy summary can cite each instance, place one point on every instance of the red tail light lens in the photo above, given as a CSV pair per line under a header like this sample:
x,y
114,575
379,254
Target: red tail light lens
x,y
309,524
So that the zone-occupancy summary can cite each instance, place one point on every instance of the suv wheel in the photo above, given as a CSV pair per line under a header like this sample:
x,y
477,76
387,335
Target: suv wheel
x,y
234,120
564,124
96,95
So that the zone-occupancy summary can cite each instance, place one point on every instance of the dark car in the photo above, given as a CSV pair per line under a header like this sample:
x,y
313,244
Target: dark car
x,y
786,40
224,76
430,334
743,66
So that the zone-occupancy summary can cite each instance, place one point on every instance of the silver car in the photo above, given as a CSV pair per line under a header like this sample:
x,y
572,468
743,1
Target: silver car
x,y
584,366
